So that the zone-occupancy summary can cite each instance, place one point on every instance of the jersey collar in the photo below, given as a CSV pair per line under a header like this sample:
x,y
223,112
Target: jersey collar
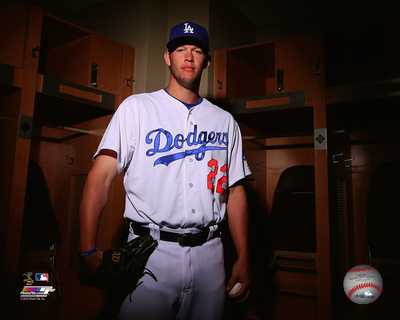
x,y
188,105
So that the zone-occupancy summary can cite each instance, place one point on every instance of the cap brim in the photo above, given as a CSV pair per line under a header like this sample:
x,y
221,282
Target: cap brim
x,y
172,45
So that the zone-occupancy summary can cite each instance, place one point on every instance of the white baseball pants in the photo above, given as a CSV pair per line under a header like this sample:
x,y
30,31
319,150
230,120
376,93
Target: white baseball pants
x,y
190,284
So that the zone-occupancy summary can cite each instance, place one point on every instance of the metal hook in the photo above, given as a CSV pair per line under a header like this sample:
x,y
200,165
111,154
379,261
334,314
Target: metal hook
x,y
335,156
69,159
33,51
347,162
220,84
129,81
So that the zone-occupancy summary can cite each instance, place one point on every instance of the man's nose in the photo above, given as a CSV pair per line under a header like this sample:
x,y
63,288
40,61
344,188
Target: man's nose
x,y
189,56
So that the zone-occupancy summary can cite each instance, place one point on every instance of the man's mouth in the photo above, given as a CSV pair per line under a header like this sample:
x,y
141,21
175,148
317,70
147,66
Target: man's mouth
x,y
189,69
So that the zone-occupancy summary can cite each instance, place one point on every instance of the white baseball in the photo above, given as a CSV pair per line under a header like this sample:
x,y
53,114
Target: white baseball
x,y
363,284
235,288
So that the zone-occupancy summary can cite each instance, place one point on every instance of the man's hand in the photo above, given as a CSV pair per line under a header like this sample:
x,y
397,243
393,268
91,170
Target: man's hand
x,y
240,273
90,264
238,227
120,268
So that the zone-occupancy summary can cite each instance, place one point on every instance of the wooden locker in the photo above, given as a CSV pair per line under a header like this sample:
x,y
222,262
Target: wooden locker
x,y
57,121
300,62
80,57
362,81
278,114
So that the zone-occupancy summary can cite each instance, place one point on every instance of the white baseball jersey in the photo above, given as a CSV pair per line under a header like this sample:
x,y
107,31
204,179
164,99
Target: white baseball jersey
x,y
177,163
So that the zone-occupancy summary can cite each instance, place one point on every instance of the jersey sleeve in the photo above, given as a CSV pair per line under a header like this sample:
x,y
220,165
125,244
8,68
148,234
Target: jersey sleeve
x,y
238,167
120,136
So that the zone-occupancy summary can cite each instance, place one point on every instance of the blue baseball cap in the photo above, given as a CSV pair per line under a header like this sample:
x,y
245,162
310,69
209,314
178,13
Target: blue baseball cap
x,y
188,33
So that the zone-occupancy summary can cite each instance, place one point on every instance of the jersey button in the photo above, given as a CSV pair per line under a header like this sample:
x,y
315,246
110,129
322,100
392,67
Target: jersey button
x,y
191,185
193,210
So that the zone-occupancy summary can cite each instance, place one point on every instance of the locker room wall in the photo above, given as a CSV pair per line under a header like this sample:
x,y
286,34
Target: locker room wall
x,y
145,26
142,24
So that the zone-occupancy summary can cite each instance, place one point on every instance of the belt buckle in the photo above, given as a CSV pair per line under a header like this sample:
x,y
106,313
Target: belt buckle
x,y
191,239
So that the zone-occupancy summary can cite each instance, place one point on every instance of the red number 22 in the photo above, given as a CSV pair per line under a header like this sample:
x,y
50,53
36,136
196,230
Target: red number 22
x,y
213,164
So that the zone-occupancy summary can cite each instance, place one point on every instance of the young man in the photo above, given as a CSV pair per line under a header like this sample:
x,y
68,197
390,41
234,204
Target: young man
x,y
182,160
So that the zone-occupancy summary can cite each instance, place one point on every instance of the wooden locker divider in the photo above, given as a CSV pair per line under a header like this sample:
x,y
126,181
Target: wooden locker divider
x,y
324,285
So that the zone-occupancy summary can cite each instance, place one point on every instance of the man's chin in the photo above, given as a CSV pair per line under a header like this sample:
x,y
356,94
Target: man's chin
x,y
189,84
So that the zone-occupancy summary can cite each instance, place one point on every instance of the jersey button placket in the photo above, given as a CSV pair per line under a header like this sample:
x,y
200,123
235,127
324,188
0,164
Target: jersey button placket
x,y
190,170
191,184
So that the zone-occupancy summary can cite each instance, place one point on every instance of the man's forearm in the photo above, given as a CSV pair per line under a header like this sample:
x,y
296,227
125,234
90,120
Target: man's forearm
x,y
237,212
91,207
94,199
238,220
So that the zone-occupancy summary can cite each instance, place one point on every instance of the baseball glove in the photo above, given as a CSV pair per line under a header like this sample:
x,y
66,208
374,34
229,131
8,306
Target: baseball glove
x,y
122,267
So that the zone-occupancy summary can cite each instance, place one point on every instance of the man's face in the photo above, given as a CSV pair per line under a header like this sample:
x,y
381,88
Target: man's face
x,y
187,63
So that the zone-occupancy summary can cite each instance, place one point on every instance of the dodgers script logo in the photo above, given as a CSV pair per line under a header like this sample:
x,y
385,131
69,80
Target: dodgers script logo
x,y
163,141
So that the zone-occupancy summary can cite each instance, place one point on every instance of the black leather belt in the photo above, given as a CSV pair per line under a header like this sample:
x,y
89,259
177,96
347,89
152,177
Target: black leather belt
x,y
184,239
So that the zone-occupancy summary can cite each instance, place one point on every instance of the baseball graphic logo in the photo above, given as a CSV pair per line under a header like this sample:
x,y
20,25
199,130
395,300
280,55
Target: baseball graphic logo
x,y
363,284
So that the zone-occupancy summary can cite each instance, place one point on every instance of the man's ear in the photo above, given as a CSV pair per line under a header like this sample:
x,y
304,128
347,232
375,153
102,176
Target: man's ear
x,y
167,58
207,62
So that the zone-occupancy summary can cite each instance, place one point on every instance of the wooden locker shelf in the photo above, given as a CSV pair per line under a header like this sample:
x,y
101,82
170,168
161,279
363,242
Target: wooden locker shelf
x,y
364,91
276,114
277,123
9,76
60,104
287,100
71,91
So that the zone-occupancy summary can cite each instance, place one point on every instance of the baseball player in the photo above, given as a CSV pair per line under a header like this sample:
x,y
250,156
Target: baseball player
x,y
183,162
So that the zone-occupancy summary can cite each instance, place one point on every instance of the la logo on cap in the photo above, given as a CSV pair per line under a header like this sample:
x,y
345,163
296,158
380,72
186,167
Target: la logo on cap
x,y
188,28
